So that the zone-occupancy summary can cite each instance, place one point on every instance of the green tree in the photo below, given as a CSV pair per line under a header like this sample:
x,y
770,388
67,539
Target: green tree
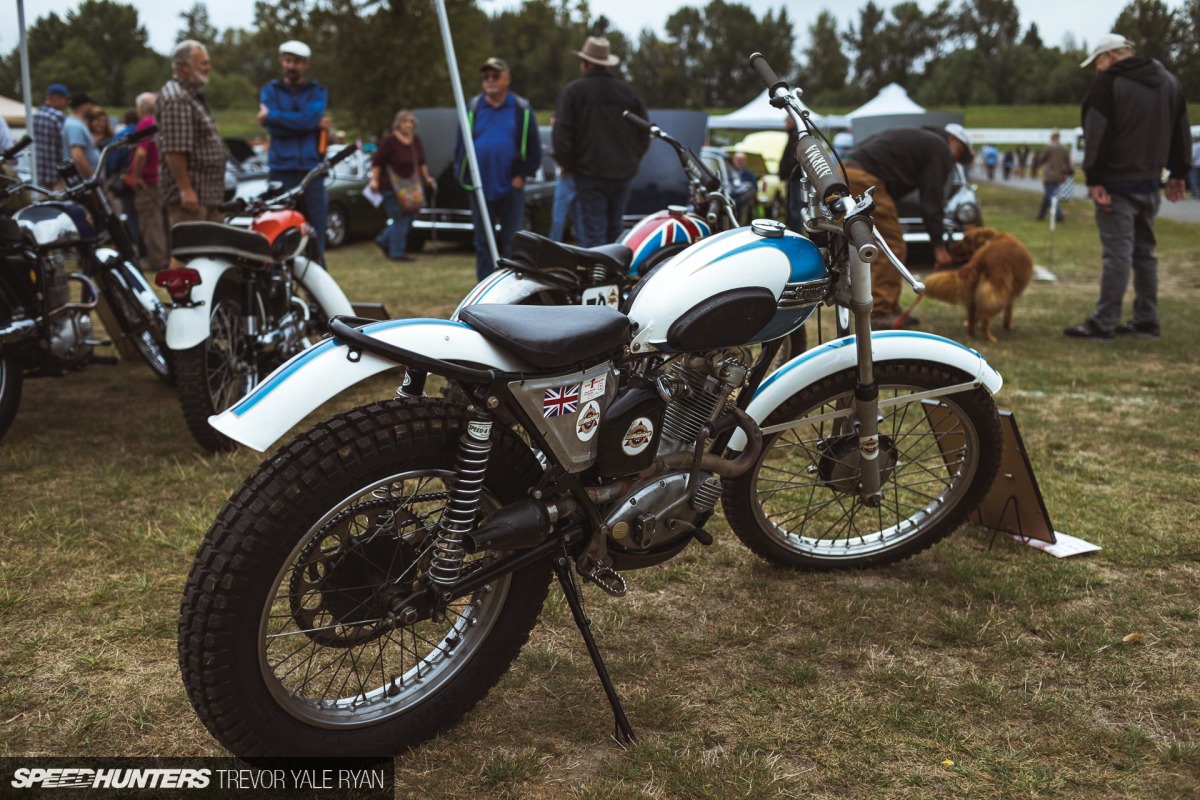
x,y
196,25
826,65
1156,30
868,44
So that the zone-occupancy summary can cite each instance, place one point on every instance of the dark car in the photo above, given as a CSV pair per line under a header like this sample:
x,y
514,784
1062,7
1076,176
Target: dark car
x,y
962,209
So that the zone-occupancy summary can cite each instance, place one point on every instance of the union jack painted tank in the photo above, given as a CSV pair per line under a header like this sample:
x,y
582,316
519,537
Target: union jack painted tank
x,y
675,228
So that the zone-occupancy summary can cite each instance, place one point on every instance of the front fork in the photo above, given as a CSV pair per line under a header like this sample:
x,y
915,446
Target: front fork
x,y
866,391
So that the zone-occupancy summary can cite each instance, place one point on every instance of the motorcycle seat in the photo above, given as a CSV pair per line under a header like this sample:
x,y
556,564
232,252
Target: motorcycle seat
x,y
551,336
191,239
543,253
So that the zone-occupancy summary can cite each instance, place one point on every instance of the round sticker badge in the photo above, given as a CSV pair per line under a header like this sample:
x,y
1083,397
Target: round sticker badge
x,y
638,437
588,421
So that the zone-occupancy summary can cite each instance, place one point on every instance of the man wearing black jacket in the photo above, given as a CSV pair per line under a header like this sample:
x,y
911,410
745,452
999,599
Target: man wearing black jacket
x,y
596,146
1134,123
895,162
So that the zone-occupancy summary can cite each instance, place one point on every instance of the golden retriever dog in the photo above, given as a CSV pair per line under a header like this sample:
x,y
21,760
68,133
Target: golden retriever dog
x,y
997,270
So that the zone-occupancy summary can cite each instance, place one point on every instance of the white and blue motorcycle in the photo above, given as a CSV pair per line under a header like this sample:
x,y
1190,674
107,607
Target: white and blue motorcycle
x,y
376,576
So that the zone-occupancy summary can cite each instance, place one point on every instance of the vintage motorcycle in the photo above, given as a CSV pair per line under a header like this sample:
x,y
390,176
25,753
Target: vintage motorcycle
x,y
246,300
372,580
64,257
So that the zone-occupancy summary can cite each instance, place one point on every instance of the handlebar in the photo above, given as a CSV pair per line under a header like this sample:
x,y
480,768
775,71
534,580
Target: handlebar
x,y
239,206
16,148
698,174
759,64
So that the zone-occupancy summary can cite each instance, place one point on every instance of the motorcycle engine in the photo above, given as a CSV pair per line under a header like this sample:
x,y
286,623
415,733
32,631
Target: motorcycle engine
x,y
664,509
70,330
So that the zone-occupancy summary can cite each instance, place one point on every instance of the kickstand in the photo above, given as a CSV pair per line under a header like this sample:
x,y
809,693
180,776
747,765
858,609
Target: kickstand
x,y
562,567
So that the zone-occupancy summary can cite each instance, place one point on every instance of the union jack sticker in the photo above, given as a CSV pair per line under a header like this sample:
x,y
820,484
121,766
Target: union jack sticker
x,y
560,400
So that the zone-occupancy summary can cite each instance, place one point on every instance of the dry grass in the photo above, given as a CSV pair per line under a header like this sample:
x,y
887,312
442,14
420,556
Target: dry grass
x,y
995,672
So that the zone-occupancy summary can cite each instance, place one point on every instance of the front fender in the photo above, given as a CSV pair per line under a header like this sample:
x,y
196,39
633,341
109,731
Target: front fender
x,y
188,327
321,372
504,287
834,356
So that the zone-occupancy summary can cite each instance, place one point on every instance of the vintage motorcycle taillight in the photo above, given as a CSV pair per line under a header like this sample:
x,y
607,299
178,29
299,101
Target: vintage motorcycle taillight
x,y
178,282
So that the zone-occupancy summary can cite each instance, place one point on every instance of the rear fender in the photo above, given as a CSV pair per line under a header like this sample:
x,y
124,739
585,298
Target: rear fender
x,y
832,357
188,327
323,288
504,287
325,370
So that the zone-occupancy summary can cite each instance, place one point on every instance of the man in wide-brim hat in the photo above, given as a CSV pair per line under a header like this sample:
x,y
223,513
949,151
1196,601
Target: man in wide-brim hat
x,y
595,145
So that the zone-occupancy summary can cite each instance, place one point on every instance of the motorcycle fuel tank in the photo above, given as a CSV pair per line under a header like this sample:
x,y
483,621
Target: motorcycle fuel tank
x,y
675,226
740,287
58,223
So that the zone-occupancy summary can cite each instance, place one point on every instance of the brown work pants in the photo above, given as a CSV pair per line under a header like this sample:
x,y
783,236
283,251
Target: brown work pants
x,y
885,280
152,222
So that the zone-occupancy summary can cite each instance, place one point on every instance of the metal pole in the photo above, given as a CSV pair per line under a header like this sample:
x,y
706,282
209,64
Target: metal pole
x,y
464,125
26,88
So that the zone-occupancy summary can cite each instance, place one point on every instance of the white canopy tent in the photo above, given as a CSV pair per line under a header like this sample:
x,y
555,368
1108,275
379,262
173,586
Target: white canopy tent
x,y
758,115
892,99
13,111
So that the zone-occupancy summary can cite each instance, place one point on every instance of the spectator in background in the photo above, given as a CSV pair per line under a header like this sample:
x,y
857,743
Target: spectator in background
x,y
142,177
508,149
79,145
1009,162
115,166
1135,124
400,155
991,158
564,201
745,188
596,146
47,135
1195,171
1022,159
193,155
1055,164
292,109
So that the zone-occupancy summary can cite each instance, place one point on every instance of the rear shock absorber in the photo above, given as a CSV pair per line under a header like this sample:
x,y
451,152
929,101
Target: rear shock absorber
x,y
599,275
474,448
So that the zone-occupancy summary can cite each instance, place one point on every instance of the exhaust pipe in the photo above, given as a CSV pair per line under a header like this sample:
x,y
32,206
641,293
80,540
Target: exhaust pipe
x,y
17,330
518,526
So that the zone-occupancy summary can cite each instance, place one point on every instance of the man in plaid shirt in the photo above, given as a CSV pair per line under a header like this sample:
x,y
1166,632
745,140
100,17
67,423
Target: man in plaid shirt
x,y
193,155
47,135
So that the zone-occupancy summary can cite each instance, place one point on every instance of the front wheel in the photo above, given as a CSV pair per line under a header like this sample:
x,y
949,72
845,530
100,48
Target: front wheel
x,y
799,505
306,627
214,374
141,317
11,382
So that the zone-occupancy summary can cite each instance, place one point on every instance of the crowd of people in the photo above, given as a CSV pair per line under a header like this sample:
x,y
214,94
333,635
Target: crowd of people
x,y
1134,115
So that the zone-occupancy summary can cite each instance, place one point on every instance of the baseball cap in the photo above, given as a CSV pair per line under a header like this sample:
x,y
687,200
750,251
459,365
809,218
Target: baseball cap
x,y
960,133
58,89
498,64
295,48
1108,42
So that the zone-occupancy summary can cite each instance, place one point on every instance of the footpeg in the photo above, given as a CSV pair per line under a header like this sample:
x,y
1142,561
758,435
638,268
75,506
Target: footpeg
x,y
607,579
702,536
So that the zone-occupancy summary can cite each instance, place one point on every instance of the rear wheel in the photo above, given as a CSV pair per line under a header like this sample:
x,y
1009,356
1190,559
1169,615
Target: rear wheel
x,y
307,627
214,374
11,382
800,506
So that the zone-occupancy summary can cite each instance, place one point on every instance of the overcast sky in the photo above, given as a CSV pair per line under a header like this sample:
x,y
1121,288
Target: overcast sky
x,y
1086,21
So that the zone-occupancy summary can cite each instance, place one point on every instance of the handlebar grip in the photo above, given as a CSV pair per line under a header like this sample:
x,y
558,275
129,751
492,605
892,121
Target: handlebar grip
x,y
142,135
860,234
638,121
759,63
820,172
235,206
16,148
343,154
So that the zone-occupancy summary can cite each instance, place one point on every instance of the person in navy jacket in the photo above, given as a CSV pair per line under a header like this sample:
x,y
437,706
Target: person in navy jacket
x,y
292,109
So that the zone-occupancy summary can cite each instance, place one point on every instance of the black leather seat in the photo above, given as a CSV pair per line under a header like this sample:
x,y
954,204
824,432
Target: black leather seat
x,y
551,336
542,253
191,239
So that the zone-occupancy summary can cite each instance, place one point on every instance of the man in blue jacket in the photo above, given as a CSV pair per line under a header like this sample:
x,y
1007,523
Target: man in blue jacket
x,y
292,109
509,151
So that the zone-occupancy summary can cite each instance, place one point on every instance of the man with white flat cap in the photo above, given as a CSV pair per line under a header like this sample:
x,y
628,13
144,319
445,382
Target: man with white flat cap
x,y
292,109
1135,124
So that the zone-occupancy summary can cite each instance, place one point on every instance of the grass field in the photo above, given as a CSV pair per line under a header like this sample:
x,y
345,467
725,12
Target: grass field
x,y
993,672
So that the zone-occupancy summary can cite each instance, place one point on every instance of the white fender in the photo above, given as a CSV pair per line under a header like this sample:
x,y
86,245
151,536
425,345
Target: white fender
x,y
322,371
837,355
503,287
188,327
324,289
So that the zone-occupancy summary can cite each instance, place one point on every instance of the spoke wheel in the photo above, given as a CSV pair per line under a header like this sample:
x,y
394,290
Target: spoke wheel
x,y
11,383
306,626
800,505
214,374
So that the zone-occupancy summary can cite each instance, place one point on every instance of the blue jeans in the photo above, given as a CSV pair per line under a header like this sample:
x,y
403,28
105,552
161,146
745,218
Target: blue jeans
x,y
509,213
1048,192
1194,176
564,199
394,238
599,206
316,203
1127,239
